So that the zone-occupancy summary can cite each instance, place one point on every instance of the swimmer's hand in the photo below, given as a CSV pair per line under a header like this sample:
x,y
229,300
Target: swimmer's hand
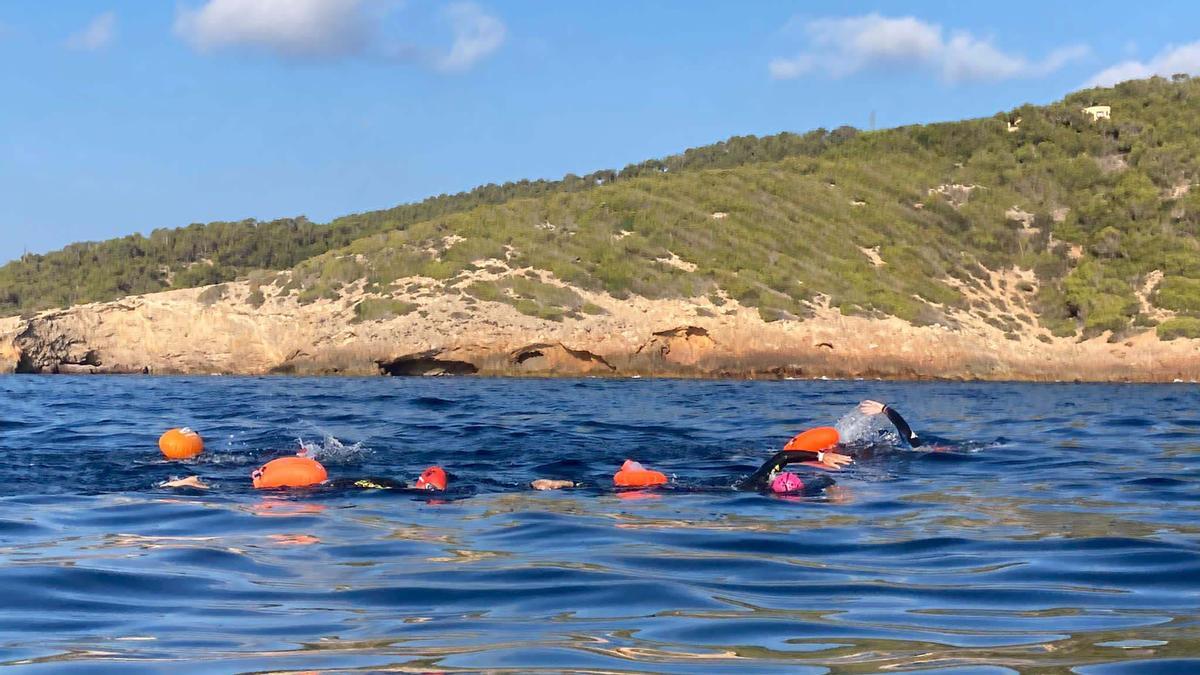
x,y
870,407
835,460
830,461
548,484
189,482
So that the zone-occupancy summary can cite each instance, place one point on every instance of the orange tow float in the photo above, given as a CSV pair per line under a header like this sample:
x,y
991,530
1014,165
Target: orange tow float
x,y
181,443
814,440
633,474
289,472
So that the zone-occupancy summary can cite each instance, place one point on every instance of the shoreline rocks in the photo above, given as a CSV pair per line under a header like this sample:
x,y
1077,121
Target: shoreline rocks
x,y
174,333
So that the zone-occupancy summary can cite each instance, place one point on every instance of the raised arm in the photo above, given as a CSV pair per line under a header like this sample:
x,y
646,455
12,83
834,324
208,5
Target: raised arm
x,y
761,478
905,431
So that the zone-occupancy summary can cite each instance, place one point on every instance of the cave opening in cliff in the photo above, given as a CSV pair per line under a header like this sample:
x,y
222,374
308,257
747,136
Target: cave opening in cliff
x,y
524,356
425,366
26,366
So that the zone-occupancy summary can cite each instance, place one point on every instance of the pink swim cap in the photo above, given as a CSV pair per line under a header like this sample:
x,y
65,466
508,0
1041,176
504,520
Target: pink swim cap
x,y
787,482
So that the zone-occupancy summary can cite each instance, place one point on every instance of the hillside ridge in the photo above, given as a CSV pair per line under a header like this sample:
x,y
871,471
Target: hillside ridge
x,y
1045,226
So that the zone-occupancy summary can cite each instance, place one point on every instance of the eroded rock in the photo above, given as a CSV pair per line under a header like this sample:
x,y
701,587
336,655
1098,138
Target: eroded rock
x,y
557,358
48,347
682,346
174,332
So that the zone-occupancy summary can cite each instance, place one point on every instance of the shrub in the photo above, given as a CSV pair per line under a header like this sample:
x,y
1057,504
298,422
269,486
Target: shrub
x,y
317,292
1178,294
488,291
256,298
381,309
293,284
211,295
1179,327
771,314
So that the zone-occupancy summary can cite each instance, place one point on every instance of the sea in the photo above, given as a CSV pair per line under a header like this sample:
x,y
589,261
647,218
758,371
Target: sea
x,y
1046,528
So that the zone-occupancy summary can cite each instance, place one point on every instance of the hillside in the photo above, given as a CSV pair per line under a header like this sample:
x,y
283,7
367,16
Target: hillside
x,y
1041,227
904,223
203,254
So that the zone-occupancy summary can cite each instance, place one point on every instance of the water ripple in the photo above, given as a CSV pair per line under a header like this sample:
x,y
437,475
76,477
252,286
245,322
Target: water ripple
x,y
1058,532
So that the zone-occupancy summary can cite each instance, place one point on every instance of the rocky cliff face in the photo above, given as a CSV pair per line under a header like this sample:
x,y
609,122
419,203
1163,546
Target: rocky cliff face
x,y
188,332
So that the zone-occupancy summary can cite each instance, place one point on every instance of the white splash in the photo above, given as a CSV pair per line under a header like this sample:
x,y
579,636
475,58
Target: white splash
x,y
332,451
855,428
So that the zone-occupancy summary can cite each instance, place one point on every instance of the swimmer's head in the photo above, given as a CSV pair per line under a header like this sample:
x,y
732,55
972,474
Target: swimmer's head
x,y
433,478
786,482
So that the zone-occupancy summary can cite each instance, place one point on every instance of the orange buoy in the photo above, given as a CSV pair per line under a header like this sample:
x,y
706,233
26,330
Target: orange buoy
x,y
289,472
180,443
633,474
433,478
814,440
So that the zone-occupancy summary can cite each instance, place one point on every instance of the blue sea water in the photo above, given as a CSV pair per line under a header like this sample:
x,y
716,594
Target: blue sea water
x,y
1058,532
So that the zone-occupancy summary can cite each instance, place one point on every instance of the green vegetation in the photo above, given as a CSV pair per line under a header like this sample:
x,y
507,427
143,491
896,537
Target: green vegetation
x,y
198,255
533,297
381,309
774,222
1179,294
1180,326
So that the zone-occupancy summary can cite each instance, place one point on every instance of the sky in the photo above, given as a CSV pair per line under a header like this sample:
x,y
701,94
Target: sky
x,y
122,116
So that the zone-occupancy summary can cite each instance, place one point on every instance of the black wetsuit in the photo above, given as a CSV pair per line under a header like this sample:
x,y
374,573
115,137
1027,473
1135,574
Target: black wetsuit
x,y
902,427
371,483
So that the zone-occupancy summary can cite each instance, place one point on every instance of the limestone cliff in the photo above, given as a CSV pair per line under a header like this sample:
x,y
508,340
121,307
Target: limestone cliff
x,y
192,332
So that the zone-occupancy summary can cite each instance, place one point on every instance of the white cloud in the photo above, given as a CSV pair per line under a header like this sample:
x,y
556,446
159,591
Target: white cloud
x,y
98,34
332,29
790,69
476,35
290,28
844,46
1172,60
1061,57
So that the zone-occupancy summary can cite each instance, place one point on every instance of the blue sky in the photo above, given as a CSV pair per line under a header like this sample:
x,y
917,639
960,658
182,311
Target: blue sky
x,y
124,116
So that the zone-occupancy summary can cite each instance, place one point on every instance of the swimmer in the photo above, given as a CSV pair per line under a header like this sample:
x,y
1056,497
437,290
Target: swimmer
x,y
189,482
768,478
433,479
815,448
771,477
811,448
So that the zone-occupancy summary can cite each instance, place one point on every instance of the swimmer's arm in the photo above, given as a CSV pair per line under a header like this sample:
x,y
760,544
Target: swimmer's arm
x,y
368,483
189,482
902,427
758,480
551,484
822,460
905,431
